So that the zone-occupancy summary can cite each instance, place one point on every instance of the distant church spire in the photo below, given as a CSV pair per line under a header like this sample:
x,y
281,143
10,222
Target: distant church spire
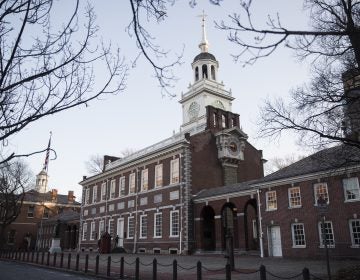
x,y
204,44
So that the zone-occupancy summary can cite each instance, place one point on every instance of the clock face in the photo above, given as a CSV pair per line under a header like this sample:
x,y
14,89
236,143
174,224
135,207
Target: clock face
x,y
193,111
233,148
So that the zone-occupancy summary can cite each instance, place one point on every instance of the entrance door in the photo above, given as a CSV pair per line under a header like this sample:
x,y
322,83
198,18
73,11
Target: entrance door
x,y
275,241
120,232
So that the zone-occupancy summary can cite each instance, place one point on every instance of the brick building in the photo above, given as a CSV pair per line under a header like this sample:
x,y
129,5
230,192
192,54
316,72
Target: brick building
x,y
38,205
146,198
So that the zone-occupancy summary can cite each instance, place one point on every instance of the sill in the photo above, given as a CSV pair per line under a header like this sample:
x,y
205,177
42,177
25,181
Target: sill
x,y
157,237
173,236
329,246
130,238
352,200
143,237
270,210
295,207
299,246
355,246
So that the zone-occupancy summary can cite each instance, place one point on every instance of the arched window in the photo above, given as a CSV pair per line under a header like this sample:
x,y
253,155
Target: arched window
x,y
213,72
214,120
204,71
223,121
196,73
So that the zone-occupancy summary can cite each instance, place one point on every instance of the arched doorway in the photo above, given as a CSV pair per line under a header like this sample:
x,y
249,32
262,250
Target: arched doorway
x,y
228,222
208,228
251,225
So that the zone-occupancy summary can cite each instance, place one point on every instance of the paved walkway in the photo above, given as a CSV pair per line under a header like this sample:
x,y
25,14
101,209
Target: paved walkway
x,y
213,266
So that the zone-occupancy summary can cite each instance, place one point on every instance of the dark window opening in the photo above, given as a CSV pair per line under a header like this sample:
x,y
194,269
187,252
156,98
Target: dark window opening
x,y
213,72
204,71
196,73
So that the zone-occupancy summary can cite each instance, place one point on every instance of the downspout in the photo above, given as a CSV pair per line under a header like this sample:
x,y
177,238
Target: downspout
x,y
137,185
260,225
181,209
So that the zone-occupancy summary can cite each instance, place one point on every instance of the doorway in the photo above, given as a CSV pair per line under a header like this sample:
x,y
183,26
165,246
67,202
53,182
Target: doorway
x,y
275,247
120,232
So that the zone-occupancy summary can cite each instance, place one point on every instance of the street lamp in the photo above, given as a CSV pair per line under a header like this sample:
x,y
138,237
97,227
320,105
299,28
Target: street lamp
x,y
322,204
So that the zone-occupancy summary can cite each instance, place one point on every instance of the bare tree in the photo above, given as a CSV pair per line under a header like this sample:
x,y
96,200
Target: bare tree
x,y
318,111
95,164
277,163
47,67
15,179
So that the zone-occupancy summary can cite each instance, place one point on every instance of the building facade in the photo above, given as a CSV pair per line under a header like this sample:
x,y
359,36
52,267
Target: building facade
x,y
145,200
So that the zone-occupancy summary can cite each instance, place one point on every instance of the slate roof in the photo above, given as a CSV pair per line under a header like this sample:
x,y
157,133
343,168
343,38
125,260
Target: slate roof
x,y
204,55
341,156
66,216
35,196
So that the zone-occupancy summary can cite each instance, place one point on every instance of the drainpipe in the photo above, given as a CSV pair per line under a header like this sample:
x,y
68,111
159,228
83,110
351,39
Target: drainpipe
x,y
260,225
137,186
181,208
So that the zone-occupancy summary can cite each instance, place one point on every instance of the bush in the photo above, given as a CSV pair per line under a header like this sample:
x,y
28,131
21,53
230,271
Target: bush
x,y
349,273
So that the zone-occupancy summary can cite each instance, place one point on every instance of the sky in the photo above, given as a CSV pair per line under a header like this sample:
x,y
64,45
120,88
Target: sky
x,y
141,115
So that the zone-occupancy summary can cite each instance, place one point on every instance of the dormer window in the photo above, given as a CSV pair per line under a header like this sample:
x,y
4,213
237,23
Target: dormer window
x,y
213,72
204,71
196,74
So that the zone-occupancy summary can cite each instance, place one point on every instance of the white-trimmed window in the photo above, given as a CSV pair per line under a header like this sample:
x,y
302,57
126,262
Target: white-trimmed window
x,y
84,236
132,183
223,121
93,211
101,227
174,171
351,189
174,195
321,190
46,213
158,175
86,212
121,205
298,235
111,227
122,186
92,231
131,203
130,227
143,201
329,234
103,191
294,197
112,188
355,232
102,209
158,225
94,197
30,212
271,200
174,223
87,196
144,180
11,236
158,198
143,226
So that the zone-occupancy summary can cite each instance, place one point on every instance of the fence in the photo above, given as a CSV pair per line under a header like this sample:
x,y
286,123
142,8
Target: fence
x,y
122,269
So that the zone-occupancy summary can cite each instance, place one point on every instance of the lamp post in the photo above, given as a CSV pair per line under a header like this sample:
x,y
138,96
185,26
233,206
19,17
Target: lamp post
x,y
322,204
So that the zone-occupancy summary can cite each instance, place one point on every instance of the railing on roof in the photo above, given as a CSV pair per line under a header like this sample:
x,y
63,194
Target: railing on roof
x,y
209,84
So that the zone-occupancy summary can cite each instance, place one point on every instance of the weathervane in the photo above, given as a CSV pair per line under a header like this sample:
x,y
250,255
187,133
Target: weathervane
x,y
204,44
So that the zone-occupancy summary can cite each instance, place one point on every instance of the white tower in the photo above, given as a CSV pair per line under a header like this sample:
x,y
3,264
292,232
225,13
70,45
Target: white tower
x,y
42,182
206,89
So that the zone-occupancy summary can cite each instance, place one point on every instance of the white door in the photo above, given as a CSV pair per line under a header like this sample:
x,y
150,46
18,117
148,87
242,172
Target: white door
x,y
120,232
275,241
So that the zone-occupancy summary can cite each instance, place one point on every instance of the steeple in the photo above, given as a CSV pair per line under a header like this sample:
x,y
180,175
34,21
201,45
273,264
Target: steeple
x,y
204,44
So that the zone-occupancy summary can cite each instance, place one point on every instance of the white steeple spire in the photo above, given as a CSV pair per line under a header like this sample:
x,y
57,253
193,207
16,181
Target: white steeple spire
x,y
204,44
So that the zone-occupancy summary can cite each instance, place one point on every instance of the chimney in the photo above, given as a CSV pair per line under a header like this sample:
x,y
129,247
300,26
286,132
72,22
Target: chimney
x,y
71,197
84,177
54,193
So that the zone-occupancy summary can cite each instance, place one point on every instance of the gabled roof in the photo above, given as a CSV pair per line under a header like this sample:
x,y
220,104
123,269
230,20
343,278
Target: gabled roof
x,y
66,216
342,156
35,196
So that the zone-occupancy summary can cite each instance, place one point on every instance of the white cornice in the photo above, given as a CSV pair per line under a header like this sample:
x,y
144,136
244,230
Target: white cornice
x,y
225,196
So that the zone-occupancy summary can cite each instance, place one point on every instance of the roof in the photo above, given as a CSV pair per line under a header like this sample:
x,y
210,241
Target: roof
x,y
66,216
341,156
35,196
204,55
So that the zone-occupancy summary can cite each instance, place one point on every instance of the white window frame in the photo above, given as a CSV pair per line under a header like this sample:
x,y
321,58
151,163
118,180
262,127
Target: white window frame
x,y
355,242
172,223
144,180
157,227
174,171
122,184
87,196
267,196
94,198
291,205
143,226
112,189
331,242
130,218
84,233
31,212
356,189
92,231
103,191
317,193
174,195
111,227
101,227
132,183
158,176
296,234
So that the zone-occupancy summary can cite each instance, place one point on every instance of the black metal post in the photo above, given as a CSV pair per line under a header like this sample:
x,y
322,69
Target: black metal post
x,y
48,259
28,256
37,257
23,256
122,268
42,258
61,260
322,204
198,271
262,272
69,261
137,266
32,256
306,274
108,266
54,260
77,262
86,263
154,269
175,270
228,271
97,265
